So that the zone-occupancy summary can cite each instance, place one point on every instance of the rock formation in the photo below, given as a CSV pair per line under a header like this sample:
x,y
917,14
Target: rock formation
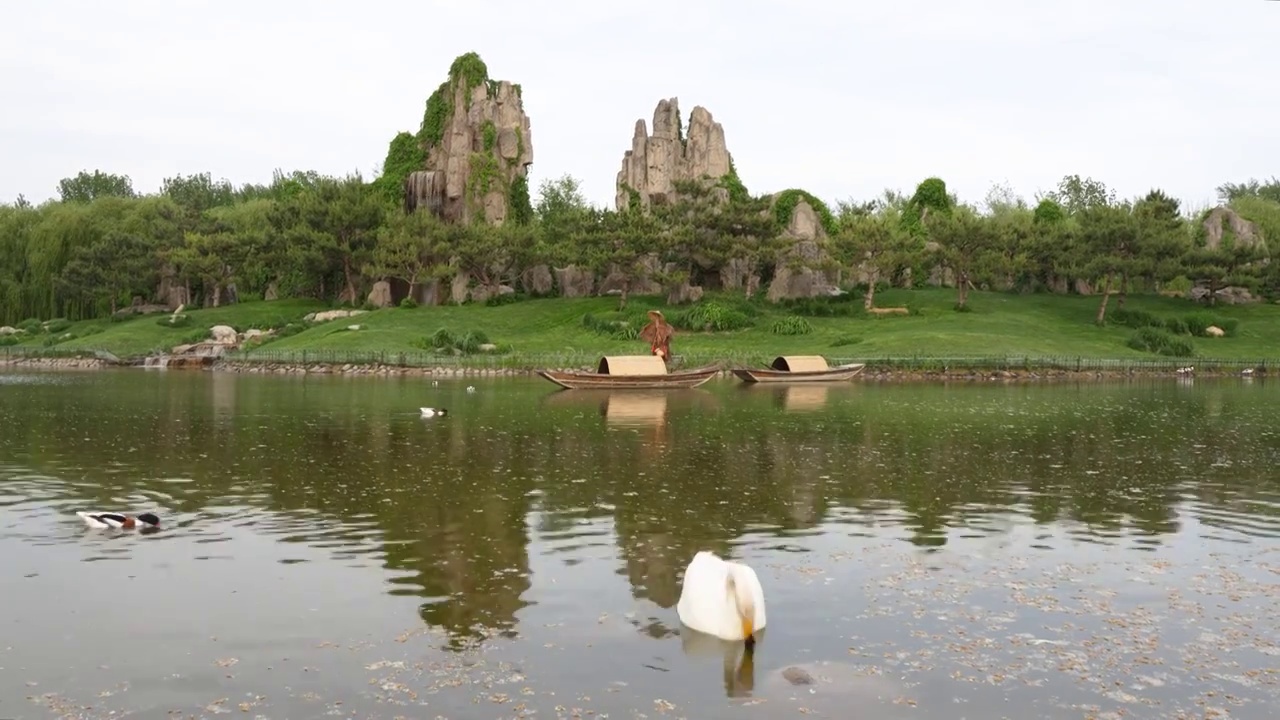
x,y
656,162
802,271
1222,220
478,147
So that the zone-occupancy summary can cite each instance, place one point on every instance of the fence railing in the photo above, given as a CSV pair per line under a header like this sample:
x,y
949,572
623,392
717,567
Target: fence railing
x,y
1031,363
917,363
426,359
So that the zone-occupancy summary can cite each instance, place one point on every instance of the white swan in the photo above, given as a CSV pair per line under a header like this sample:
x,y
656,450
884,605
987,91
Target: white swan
x,y
432,412
721,598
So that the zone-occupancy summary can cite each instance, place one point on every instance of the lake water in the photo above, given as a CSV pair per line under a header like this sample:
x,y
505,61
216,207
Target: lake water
x,y
955,551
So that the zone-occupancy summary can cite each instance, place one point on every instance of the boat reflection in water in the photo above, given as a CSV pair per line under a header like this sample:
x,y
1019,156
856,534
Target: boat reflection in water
x,y
649,410
800,398
804,398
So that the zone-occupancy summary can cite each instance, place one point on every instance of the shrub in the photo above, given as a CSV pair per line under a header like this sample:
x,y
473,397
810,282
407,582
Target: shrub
x,y
791,325
711,316
844,340
1155,340
6,340
1177,326
57,325
845,305
625,328
1181,284
503,299
30,325
408,303
1135,318
448,342
1199,323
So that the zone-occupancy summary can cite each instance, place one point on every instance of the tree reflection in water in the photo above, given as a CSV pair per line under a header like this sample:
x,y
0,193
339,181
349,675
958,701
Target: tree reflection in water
x,y
455,503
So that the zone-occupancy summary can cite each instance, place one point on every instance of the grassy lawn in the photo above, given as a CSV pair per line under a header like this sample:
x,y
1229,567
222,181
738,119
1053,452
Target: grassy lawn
x,y
143,334
998,325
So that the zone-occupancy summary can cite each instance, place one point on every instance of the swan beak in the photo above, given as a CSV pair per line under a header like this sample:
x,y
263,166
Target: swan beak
x,y
747,629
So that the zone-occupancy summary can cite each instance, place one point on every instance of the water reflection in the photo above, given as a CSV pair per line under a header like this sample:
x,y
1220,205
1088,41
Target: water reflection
x,y
619,489
738,661
799,398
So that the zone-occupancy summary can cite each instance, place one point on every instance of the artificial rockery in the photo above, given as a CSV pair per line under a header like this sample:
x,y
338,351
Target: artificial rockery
x,y
738,242
467,165
450,220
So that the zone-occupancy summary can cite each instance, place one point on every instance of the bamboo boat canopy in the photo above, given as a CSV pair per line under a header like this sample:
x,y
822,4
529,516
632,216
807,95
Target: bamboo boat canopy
x,y
800,363
631,365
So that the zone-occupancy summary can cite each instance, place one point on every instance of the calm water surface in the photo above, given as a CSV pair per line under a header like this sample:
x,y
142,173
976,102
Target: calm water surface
x,y
936,552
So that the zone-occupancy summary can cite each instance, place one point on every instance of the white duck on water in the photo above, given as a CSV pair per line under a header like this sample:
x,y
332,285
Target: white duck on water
x,y
433,412
721,598
103,520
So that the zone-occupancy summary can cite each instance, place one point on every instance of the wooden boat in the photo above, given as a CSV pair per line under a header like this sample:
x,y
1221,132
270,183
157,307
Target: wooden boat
x,y
799,368
627,372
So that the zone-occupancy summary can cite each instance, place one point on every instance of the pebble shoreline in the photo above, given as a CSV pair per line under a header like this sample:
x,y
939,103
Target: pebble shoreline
x,y
880,374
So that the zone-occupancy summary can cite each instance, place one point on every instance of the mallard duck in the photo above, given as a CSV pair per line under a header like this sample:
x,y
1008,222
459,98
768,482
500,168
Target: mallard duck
x,y
432,412
118,520
721,598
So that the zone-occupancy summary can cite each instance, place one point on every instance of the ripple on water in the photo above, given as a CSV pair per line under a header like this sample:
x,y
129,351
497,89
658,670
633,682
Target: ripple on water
x,y
981,556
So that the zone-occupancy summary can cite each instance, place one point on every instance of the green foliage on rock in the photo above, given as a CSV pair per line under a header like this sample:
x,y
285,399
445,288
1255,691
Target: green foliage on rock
x,y
404,156
784,206
467,72
484,173
489,135
930,197
519,204
436,116
731,182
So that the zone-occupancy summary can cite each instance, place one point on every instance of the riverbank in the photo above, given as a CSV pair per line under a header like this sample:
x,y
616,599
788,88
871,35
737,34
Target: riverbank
x,y
1002,336
903,369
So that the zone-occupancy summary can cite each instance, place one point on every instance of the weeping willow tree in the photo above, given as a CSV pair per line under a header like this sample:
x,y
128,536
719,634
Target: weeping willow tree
x,y
15,237
62,228
38,244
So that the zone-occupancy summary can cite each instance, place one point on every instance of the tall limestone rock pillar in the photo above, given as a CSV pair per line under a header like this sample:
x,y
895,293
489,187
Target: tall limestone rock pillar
x,y
656,162
468,163
478,146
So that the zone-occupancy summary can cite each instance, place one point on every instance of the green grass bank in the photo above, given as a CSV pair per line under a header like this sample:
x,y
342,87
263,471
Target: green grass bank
x,y
1000,330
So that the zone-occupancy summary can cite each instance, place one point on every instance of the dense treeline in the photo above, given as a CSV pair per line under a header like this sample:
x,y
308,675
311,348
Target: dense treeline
x,y
199,241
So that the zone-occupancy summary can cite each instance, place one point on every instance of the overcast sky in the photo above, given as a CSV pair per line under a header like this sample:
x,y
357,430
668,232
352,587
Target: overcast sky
x,y
843,99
